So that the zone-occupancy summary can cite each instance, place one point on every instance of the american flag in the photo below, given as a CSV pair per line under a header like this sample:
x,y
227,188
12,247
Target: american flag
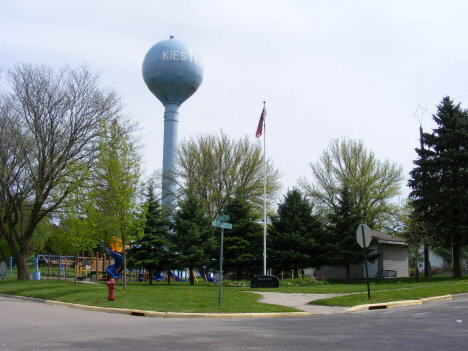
x,y
260,124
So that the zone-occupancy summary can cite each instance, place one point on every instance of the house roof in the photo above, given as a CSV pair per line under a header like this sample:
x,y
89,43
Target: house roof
x,y
388,239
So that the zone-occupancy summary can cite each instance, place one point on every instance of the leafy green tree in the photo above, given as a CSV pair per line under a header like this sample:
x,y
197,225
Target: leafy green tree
x,y
215,166
371,184
116,210
193,233
341,238
153,251
243,244
4,250
296,235
74,232
440,178
48,119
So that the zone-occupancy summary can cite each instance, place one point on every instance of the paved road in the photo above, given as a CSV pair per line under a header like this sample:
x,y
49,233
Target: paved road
x,y
28,325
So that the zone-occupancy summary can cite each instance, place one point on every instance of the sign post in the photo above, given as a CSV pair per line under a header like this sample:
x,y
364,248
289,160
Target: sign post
x,y
221,223
364,237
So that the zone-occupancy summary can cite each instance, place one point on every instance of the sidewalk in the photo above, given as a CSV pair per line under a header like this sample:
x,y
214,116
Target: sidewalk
x,y
300,301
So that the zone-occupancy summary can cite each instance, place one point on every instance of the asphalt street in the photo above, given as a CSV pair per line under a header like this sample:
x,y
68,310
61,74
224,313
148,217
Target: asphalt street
x,y
26,325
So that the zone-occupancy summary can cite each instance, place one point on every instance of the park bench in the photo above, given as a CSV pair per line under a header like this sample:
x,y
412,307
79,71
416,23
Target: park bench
x,y
386,274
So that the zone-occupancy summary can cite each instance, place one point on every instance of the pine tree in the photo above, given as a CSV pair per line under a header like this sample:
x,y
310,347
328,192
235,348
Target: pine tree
x,y
243,244
440,178
153,251
193,233
341,238
295,236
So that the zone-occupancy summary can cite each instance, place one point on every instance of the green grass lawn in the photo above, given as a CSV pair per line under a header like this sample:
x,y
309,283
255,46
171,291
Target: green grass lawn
x,y
408,293
203,297
177,297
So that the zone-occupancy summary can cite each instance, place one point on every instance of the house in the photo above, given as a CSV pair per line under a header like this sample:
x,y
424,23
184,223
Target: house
x,y
394,255
441,259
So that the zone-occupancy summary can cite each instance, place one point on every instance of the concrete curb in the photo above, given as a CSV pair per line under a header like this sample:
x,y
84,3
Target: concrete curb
x,y
141,313
436,298
406,302
236,315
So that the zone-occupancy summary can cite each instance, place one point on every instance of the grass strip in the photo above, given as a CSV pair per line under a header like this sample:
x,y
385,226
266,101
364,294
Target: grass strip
x,y
413,293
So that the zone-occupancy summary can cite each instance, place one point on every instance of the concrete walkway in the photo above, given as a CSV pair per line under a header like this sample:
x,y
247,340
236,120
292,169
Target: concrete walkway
x,y
300,301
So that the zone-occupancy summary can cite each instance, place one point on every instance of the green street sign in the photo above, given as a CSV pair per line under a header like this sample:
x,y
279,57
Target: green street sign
x,y
221,225
223,218
225,225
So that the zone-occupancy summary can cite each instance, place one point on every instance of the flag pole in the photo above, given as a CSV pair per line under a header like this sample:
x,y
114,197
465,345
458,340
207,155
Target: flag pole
x,y
264,197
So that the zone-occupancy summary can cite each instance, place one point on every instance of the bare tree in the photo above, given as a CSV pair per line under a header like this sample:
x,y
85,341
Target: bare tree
x,y
49,122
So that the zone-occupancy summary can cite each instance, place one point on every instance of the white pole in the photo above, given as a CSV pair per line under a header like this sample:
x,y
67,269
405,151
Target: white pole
x,y
264,196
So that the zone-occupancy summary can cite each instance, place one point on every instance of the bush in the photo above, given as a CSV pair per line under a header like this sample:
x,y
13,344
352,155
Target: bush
x,y
304,282
447,267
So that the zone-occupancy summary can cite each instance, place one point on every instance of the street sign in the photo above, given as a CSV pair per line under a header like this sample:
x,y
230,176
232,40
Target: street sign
x,y
223,218
367,235
364,237
221,224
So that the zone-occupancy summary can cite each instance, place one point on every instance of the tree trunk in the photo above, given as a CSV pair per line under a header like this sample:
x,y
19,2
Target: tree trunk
x,y
348,274
22,267
192,278
76,265
124,270
426,261
20,252
150,278
456,260
417,267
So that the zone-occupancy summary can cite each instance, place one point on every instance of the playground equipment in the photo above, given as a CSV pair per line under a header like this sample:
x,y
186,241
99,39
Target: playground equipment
x,y
112,269
101,268
60,266
206,276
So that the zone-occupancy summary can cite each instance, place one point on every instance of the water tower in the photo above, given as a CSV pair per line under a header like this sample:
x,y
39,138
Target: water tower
x,y
173,71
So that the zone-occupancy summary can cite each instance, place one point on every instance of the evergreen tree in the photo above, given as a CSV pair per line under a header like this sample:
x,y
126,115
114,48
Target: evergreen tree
x,y
341,238
193,233
243,244
153,250
295,236
440,178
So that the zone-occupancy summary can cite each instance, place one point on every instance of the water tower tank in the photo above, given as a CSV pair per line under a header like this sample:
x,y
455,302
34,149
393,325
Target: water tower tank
x,y
173,71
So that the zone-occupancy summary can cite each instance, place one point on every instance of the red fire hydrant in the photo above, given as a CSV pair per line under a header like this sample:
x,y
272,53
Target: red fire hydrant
x,y
111,286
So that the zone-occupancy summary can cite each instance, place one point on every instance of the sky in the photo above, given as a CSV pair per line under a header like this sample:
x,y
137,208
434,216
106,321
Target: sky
x,y
326,69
